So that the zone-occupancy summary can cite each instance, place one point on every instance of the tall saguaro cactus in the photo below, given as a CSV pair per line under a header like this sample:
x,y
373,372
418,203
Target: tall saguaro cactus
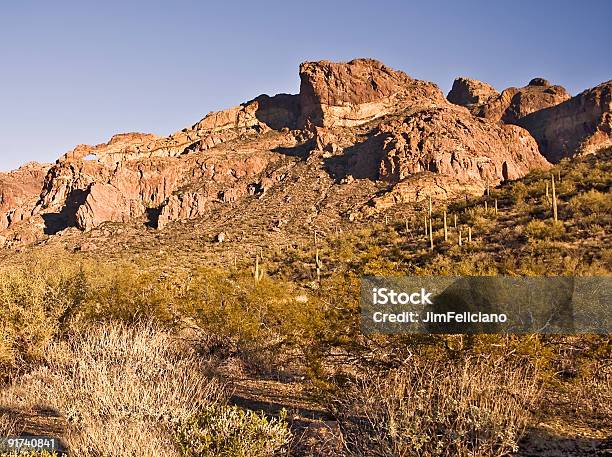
x,y
554,199
445,228
258,272
319,265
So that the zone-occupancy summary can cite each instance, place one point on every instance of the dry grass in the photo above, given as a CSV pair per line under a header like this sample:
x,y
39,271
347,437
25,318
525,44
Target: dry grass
x,y
121,389
475,407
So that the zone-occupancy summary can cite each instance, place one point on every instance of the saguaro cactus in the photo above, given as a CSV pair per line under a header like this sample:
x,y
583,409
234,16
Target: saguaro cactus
x,y
496,206
258,272
431,243
554,199
469,234
319,265
430,207
460,240
445,228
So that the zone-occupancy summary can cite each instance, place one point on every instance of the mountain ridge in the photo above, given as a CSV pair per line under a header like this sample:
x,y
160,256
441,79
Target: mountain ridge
x,y
357,121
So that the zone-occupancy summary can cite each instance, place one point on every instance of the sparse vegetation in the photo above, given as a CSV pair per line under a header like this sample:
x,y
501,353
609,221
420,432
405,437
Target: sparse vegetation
x,y
476,407
135,347
228,431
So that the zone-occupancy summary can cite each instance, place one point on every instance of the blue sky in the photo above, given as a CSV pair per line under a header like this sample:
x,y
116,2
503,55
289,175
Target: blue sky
x,y
78,72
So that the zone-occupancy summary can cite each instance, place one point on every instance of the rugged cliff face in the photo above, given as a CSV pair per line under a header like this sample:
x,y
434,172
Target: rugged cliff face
x,y
580,125
563,126
19,192
350,94
356,129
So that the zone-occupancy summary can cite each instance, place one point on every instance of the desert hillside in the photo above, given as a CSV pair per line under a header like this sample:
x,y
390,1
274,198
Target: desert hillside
x,y
198,294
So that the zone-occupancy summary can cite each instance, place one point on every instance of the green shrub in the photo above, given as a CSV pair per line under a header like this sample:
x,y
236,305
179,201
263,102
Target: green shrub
x,y
228,431
36,300
544,230
591,202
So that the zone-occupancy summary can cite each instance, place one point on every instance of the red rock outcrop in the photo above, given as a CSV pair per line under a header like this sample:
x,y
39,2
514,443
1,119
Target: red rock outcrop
x,y
19,192
416,142
449,142
580,125
471,93
509,106
353,93
563,126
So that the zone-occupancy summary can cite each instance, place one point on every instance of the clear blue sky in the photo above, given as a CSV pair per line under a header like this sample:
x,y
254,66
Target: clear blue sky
x,y
78,72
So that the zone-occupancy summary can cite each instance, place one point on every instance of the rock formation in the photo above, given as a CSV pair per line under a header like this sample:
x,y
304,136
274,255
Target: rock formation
x,y
351,124
447,141
580,125
353,93
19,192
563,126
509,106
471,93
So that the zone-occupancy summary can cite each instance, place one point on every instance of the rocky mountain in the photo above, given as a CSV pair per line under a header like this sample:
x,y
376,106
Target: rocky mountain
x,y
359,137
580,125
562,125
19,191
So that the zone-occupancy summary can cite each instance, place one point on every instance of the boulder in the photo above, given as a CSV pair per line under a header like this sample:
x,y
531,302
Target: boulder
x,y
471,92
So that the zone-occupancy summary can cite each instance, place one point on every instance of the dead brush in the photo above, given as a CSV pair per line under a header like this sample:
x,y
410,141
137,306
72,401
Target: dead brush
x,y
473,407
120,389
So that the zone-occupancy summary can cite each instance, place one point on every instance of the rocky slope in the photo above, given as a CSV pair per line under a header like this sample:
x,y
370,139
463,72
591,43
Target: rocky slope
x,y
563,126
357,138
19,191
580,125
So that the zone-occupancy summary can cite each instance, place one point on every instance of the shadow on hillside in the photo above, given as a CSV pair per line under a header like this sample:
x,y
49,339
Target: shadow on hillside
x,y
361,160
152,215
300,151
542,442
56,222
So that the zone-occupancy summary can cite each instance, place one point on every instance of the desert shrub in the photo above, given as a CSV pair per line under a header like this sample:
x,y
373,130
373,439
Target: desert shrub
x,y
591,202
122,389
260,319
473,407
35,301
228,431
519,192
544,230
